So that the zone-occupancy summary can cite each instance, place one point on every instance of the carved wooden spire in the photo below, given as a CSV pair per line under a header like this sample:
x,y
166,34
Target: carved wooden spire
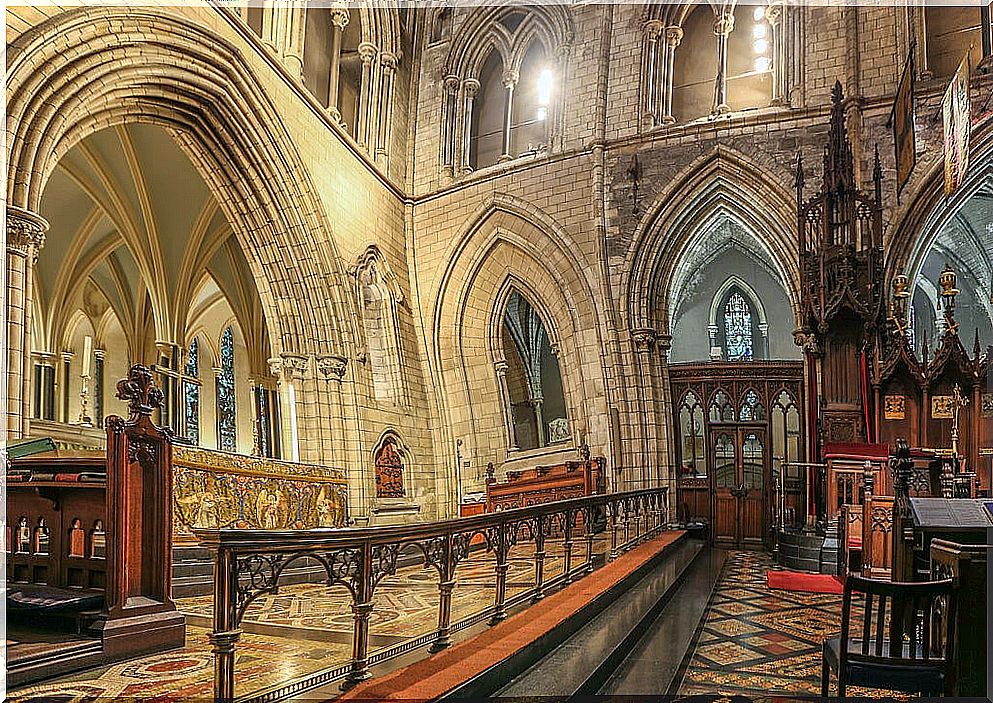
x,y
839,166
140,391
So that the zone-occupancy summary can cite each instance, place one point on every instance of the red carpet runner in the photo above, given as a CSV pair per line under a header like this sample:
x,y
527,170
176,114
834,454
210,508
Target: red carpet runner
x,y
432,677
804,583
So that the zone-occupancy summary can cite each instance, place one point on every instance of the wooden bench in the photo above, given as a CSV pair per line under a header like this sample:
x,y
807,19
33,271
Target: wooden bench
x,y
55,538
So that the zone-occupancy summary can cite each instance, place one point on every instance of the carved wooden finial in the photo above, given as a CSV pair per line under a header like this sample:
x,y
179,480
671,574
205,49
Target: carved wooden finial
x,y
140,391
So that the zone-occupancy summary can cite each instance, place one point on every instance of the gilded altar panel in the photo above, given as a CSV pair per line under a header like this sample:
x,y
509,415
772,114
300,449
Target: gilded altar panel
x,y
216,490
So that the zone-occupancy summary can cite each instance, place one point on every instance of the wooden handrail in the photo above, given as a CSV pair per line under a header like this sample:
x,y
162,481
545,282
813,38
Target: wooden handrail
x,y
249,563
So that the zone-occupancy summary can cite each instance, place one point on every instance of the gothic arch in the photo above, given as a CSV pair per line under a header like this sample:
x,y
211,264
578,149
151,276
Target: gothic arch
x,y
505,244
723,180
68,78
726,287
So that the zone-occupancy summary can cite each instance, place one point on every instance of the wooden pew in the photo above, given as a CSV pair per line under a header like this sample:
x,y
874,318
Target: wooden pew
x,y
107,552
544,484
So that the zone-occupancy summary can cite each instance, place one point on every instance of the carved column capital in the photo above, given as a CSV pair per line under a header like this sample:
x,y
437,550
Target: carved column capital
x,y
501,367
644,339
664,344
673,35
389,60
332,366
294,366
723,24
25,232
339,17
510,78
451,83
367,52
773,13
471,87
653,30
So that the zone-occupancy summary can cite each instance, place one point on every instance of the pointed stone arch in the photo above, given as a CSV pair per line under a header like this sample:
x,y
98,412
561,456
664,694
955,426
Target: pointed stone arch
x,y
70,77
722,181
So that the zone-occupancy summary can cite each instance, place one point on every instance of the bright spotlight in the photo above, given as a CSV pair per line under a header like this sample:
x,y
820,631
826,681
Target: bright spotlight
x,y
762,64
759,13
758,31
760,46
546,81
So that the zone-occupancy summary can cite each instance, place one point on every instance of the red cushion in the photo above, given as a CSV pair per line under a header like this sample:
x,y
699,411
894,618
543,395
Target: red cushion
x,y
855,543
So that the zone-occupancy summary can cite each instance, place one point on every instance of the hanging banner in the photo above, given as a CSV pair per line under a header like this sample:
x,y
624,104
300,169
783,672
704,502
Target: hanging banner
x,y
902,121
955,114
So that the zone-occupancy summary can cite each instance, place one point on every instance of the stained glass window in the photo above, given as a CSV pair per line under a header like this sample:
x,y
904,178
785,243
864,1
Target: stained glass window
x,y
192,392
227,434
752,409
737,329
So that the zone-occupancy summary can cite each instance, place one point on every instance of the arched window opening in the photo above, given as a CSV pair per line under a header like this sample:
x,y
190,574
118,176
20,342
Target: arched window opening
x,y
533,379
721,408
724,460
693,67
442,25
389,470
752,409
786,438
749,79
694,461
350,74
951,32
529,107
317,56
192,393
486,145
738,331
751,462
227,428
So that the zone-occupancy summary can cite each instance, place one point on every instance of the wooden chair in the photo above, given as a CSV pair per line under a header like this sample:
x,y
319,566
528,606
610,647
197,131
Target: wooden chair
x,y
901,648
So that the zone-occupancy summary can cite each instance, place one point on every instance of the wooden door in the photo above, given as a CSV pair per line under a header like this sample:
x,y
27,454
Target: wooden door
x,y
739,457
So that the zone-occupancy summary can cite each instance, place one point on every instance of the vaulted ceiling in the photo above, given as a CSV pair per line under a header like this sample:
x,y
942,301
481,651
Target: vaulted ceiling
x,y
135,231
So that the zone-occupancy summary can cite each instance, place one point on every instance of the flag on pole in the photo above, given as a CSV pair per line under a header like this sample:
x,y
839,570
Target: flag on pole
x,y
957,126
902,122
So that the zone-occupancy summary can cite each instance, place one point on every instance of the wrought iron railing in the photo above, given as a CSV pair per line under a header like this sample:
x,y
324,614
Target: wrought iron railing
x,y
249,563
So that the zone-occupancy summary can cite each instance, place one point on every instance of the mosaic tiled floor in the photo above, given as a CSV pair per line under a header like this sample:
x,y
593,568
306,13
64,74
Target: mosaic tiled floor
x,y
758,643
313,626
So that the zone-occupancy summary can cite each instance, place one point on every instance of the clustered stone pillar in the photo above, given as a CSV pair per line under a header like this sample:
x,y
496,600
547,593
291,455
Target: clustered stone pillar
x,y
723,26
657,68
25,238
339,20
449,118
470,87
367,94
501,371
652,65
283,28
673,35
388,64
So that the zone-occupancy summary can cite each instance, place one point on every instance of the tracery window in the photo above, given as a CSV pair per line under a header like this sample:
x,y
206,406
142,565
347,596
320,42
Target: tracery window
x,y
694,461
737,329
193,393
721,409
752,409
227,429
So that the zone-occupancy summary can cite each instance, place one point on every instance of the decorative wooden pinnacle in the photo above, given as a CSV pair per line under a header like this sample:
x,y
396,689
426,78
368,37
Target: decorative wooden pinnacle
x,y
140,391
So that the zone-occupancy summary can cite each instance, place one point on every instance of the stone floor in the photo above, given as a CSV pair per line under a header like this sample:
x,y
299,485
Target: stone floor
x,y
758,643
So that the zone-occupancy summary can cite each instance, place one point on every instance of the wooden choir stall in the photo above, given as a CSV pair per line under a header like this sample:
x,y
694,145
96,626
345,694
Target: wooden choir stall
x,y
544,484
88,544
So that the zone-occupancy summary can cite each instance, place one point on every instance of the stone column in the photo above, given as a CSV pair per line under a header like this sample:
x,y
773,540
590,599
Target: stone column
x,y
25,238
367,94
339,20
644,343
715,347
673,35
292,31
539,420
295,368
449,118
663,343
509,83
501,371
470,87
286,429
776,14
388,63
723,26
652,70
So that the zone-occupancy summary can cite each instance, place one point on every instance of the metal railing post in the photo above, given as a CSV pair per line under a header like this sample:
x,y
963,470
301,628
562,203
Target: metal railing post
x,y
226,632
361,612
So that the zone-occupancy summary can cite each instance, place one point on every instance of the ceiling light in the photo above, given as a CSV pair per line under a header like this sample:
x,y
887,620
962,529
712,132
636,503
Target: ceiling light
x,y
762,64
542,112
758,31
760,46
759,13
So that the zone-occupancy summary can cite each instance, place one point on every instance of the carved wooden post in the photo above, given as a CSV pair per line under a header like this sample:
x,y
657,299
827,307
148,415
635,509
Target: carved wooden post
x,y
539,557
139,615
226,632
361,611
502,550
570,523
